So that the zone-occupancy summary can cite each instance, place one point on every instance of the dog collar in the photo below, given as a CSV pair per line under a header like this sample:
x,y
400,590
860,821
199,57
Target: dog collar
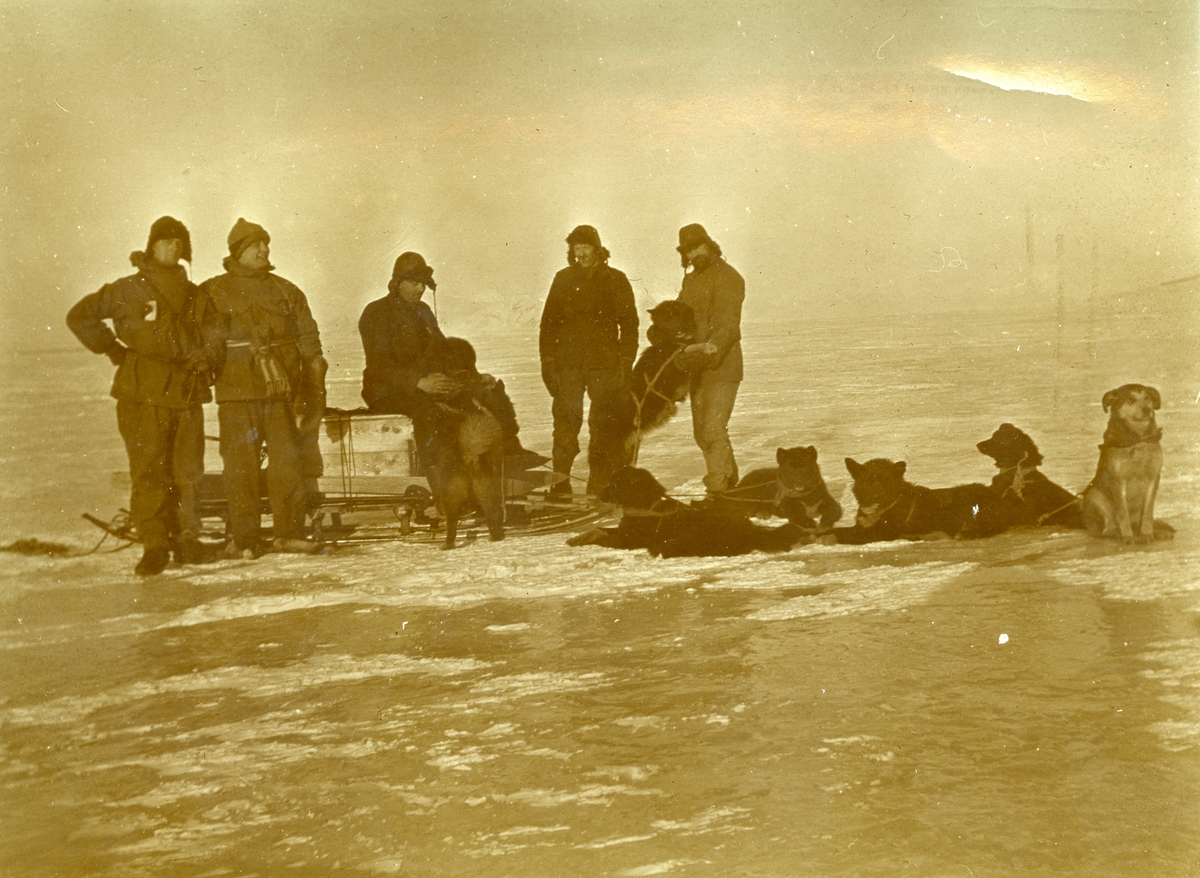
x,y
874,518
783,492
1123,438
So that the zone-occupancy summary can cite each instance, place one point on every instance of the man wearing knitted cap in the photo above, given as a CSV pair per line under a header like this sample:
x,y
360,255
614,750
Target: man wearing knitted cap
x,y
714,291
273,372
164,369
588,342
406,368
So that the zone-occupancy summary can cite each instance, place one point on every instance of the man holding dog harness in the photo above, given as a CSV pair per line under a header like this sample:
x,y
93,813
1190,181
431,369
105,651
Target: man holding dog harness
x,y
164,369
588,342
714,291
269,390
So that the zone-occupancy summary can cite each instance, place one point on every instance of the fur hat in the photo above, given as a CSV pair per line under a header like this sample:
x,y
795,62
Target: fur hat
x,y
411,266
243,234
164,229
692,236
584,235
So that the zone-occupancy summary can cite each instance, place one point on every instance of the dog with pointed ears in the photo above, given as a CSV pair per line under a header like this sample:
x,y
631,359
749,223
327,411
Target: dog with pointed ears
x,y
793,490
892,508
667,528
1119,502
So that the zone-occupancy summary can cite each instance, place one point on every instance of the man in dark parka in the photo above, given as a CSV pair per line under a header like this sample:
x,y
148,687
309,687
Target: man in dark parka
x,y
402,342
407,357
164,369
588,342
273,366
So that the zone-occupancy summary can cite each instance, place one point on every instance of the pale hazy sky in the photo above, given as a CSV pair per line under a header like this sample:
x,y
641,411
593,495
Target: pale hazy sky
x,y
897,156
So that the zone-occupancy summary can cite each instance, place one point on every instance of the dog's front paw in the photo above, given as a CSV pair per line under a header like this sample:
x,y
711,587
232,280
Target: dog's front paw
x,y
1148,533
1163,531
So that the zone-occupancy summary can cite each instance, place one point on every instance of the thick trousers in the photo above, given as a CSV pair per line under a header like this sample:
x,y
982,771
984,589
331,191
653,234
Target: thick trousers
x,y
166,462
607,389
245,426
712,405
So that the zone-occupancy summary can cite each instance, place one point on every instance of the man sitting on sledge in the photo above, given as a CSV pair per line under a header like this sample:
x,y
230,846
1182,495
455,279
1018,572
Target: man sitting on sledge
x,y
411,367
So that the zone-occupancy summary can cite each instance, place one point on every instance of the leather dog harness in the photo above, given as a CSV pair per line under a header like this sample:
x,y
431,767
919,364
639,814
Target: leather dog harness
x,y
638,403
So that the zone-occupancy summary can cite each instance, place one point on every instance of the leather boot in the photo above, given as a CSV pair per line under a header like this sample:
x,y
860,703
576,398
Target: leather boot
x,y
154,561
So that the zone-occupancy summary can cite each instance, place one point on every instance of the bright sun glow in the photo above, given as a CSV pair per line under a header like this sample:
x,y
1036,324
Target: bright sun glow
x,y
1042,80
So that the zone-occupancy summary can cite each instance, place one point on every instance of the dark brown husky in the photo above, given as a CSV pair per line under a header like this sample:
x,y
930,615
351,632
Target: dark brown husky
x,y
658,383
464,449
1023,497
654,521
793,490
891,508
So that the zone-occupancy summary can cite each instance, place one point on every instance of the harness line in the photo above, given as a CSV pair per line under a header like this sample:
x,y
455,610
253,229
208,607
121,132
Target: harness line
x,y
639,403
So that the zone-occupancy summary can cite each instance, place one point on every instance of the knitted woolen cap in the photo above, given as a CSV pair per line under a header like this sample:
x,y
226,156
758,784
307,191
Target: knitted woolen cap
x,y
243,234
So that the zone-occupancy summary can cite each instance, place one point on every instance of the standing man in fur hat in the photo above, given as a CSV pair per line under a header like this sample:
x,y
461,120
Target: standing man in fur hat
x,y
273,371
714,291
164,369
588,342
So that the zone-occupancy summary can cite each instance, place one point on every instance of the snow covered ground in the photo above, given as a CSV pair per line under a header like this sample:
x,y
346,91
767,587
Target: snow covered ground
x,y
1028,704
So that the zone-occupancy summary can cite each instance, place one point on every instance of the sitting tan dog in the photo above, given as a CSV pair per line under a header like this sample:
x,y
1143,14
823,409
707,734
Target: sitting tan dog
x,y
1119,502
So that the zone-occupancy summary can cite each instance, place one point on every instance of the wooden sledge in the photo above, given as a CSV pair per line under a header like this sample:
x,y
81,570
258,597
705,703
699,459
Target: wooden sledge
x,y
372,488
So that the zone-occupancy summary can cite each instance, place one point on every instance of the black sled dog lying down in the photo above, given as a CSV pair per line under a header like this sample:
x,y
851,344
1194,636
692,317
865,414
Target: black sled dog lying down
x,y
793,490
1022,496
1119,502
890,508
665,527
